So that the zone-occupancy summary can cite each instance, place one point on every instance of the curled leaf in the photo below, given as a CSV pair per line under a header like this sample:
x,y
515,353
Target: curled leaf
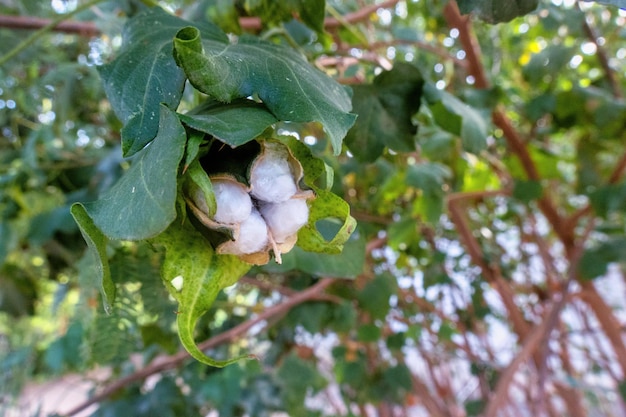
x,y
194,275
287,84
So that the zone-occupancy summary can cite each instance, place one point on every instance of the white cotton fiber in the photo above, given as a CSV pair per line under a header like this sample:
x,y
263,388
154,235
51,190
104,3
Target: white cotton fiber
x,y
271,179
252,235
286,218
233,202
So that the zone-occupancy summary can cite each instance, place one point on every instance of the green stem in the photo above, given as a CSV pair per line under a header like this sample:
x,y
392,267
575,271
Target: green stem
x,y
39,33
359,35
280,31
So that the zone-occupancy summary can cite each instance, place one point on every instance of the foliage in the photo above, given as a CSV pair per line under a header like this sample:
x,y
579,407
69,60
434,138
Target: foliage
x,y
482,157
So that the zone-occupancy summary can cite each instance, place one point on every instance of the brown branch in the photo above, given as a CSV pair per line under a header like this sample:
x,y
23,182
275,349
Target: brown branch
x,y
255,23
602,57
531,344
247,23
31,23
609,323
166,362
491,273
468,40
514,140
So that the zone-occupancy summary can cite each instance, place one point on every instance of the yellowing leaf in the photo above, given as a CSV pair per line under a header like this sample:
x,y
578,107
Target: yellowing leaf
x,y
194,275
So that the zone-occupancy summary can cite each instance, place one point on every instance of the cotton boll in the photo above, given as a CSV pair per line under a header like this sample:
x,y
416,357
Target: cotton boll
x,y
286,218
271,179
253,235
234,205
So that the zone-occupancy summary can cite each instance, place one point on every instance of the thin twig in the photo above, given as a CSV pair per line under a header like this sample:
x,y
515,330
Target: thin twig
x,y
247,23
69,26
602,56
164,363
51,24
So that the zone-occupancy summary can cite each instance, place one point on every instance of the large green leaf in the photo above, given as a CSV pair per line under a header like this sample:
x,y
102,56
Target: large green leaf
x,y
143,202
456,117
291,89
145,74
194,275
496,11
97,243
385,110
224,121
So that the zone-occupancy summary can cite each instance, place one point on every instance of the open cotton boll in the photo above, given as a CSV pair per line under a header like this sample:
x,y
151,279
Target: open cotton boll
x,y
234,205
253,235
271,179
286,218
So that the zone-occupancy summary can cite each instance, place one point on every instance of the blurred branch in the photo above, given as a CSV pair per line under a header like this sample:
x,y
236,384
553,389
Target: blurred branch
x,y
48,27
535,339
458,214
89,28
602,56
164,363
68,26
500,119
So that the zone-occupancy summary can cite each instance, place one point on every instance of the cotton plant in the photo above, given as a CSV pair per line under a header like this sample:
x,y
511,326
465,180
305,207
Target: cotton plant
x,y
216,189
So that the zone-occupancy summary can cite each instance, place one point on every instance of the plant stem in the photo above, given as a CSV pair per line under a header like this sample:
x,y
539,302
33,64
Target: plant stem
x,y
344,22
38,34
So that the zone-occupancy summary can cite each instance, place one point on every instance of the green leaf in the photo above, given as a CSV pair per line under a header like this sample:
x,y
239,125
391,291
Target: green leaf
x,y
224,13
397,382
402,232
200,179
97,243
348,264
548,62
368,333
374,298
474,407
497,11
595,261
311,12
145,74
194,275
326,206
608,199
298,378
143,202
291,89
428,177
527,191
458,118
224,121
385,110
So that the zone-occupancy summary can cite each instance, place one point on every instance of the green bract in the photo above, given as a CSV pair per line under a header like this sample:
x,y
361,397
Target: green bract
x,y
168,196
